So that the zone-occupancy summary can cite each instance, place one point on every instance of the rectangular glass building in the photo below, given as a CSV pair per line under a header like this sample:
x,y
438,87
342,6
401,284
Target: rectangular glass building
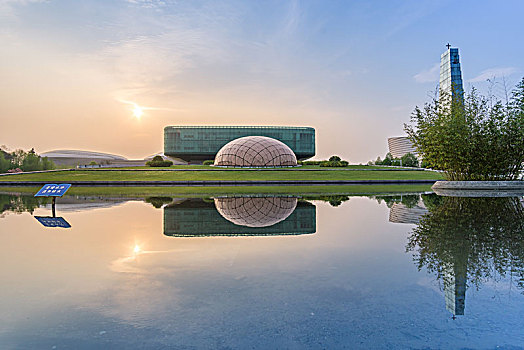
x,y
199,143
450,74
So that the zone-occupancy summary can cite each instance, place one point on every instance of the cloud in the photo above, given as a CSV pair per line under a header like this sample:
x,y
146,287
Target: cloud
x,y
428,76
491,73
7,7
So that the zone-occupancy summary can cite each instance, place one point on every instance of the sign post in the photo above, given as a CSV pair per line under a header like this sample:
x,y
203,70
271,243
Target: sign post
x,y
53,191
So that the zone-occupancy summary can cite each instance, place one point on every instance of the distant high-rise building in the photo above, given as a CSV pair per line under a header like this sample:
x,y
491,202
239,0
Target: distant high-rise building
x,y
450,74
401,145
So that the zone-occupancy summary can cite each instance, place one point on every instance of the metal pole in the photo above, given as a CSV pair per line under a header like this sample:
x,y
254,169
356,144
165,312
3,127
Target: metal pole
x,y
53,207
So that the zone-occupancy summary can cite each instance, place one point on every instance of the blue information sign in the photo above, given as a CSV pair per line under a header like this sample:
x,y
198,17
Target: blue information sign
x,y
53,190
49,221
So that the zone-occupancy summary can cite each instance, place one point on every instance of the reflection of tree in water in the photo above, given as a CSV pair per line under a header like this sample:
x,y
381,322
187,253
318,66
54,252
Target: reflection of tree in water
x,y
333,200
19,203
158,202
409,200
466,241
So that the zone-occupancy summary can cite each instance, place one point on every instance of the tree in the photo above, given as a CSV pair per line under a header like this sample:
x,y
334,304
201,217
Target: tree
x,y
409,160
388,160
5,164
471,138
47,164
158,161
334,159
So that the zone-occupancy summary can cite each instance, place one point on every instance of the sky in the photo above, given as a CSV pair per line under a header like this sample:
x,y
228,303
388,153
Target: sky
x,y
71,71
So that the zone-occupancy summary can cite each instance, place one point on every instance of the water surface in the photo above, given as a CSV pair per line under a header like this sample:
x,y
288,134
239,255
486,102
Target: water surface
x,y
415,271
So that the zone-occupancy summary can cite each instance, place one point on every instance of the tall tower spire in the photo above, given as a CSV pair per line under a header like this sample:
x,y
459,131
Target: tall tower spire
x,y
450,74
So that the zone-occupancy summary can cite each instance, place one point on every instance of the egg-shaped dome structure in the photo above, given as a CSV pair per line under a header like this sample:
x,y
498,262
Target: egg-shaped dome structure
x,y
255,151
255,211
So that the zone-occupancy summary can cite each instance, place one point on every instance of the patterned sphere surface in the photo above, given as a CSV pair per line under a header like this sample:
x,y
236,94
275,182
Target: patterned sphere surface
x,y
255,212
255,151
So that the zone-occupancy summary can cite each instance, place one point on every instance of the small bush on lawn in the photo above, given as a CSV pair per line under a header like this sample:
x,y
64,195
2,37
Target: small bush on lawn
x,y
158,161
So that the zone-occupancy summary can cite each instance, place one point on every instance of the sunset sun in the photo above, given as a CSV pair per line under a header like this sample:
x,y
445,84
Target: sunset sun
x,y
138,112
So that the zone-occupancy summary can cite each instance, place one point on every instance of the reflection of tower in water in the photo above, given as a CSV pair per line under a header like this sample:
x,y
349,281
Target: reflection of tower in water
x,y
454,279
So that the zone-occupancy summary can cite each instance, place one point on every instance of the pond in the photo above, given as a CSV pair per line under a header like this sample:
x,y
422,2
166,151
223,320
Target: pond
x,y
256,272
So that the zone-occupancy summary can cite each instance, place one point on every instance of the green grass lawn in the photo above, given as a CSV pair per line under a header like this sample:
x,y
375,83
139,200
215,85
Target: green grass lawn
x,y
208,191
241,175
199,167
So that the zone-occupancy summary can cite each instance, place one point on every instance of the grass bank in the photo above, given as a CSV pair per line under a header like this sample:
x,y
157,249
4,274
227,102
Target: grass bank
x,y
208,191
225,175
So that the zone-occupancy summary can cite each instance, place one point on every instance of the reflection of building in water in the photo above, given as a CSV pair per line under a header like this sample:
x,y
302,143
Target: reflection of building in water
x,y
197,217
454,280
255,211
75,203
402,214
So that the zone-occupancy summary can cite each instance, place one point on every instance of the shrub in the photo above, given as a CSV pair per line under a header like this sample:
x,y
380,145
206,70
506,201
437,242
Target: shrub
x,y
312,162
334,159
334,164
208,162
409,160
158,161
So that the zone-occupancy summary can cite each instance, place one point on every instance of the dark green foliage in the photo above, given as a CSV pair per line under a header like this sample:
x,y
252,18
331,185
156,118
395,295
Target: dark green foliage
x,y
471,138
208,162
482,236
158,161
5,164
334,159
409,200
20,204
334,164
424,164
158,202
409,160
93,163
311,162
27,161
334,200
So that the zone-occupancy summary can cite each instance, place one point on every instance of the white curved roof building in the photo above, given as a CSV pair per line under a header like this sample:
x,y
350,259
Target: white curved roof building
x,y
64,153
70,157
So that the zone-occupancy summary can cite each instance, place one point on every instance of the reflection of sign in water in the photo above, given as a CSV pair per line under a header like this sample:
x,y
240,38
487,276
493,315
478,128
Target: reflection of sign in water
x,y
53,191
49,221
196,217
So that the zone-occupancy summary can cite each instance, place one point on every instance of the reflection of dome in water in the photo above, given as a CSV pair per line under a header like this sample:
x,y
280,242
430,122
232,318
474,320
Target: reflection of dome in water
x,y
255,212
255,151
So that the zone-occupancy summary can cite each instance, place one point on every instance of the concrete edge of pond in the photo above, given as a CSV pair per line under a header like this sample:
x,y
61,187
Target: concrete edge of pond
x,y
221,183
479,188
